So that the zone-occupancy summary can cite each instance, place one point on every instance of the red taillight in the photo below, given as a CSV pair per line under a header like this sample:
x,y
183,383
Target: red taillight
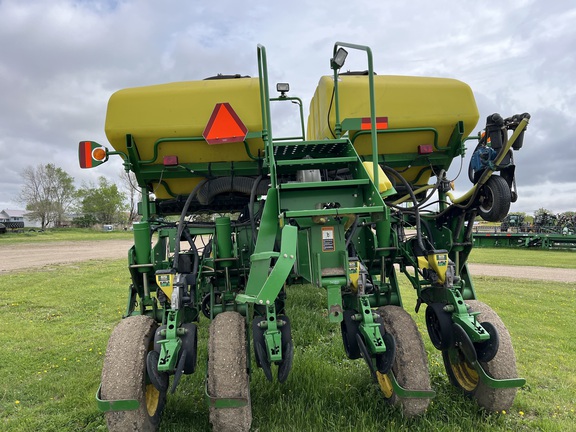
x,y
425,149
170,160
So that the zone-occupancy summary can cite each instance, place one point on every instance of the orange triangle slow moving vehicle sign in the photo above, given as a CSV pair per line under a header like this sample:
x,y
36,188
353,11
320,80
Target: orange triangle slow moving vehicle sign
x,y
224,126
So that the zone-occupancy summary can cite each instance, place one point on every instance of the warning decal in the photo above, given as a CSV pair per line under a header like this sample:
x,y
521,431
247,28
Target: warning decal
x,y
328,239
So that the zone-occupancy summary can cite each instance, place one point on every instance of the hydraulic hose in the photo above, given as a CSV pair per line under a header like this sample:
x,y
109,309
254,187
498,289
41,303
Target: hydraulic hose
x,y
182,220
393,172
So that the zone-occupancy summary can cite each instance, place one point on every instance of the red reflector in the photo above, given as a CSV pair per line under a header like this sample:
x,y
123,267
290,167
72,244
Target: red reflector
x,y
170,160
85,154
425,149
381,123
91,154
224,126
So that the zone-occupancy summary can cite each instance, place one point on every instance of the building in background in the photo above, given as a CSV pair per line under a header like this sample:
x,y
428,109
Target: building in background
x,y
14,219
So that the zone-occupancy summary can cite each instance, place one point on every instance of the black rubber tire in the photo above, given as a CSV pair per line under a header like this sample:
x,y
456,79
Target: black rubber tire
x,y
502,366
410,365
495,199
124,376
228,372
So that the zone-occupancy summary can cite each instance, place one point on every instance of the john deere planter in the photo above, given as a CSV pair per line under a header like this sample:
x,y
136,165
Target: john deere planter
x,y
232,216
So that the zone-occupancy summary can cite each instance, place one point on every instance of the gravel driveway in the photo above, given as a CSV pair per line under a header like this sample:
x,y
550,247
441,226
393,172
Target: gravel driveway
x,y
37,255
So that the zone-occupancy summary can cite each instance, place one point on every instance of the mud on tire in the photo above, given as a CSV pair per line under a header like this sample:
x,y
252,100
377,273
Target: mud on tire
x,y
124,376
227,372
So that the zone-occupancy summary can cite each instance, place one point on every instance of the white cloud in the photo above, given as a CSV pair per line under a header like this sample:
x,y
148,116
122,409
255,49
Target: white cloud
x,y
61,60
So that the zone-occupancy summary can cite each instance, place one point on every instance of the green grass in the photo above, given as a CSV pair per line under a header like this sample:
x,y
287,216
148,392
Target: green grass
x,y
55,326
61,234
524,257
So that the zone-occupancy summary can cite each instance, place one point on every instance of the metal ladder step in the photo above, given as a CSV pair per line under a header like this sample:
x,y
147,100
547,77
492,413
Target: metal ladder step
x,y
321,162
324,184
333,211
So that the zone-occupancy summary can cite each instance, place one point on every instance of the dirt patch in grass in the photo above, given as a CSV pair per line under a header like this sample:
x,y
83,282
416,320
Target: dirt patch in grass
x,y
38,255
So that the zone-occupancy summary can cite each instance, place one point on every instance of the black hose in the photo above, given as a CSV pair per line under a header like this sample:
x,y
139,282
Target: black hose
x,y
389,170
352,232
182,218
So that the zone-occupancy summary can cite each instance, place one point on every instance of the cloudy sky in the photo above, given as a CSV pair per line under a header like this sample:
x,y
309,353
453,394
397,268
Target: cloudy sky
x,y
60,60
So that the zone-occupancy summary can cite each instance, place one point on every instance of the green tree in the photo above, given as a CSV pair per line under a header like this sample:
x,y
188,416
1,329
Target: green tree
x,y
48,193
102,204
133,193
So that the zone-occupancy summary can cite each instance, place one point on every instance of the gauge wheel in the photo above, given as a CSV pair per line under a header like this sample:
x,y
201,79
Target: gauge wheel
x,y
495,199
410,366
501,366
228,372
124,376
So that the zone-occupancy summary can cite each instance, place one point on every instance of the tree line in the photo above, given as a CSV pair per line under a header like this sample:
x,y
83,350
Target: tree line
x,y
50,197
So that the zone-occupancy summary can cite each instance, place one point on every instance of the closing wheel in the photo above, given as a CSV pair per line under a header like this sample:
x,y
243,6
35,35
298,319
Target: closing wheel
x,y
349,328
285,366
260,347
503,365
495,199
228,373
439,325
410,364
124,376
190,346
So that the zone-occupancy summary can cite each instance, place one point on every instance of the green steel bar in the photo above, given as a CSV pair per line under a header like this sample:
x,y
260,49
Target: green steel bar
x,y
171,344
263,285
372,101
497,383
266,120
337,125
223,403
142,244
123,155
406,393
115,405
298,102
369,328
223,241
403,130
272,336
163,140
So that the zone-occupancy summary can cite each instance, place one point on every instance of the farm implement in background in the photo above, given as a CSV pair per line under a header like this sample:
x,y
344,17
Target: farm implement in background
x,y
547,231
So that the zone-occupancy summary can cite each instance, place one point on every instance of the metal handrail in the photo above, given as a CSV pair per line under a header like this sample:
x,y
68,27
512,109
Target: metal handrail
x,y
265,104
372,102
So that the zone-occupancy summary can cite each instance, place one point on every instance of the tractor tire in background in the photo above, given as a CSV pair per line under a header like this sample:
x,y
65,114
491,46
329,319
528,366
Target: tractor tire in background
x,y
228,372
502,366
124,376
410,364
495,199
